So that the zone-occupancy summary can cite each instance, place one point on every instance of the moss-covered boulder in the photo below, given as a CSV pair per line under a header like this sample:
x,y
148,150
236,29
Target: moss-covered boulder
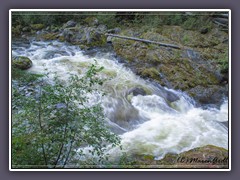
x,y
91,21
16,30
37,27
21,62
48,36
84,36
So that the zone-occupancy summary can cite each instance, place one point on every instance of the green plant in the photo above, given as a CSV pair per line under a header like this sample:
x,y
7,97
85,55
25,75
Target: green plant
x,y
223,62
50,122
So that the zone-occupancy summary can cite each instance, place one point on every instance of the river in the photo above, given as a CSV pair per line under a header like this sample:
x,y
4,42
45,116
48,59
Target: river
x,y
158,122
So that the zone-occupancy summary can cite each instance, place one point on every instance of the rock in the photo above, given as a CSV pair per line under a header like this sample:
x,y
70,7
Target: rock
x,y
16,31
137,91
206,157
37,26
21,62
70,23
212,94
52,54
87,36
92,21
203,157
48,36
109,39
114,31
21,42
204,31
26,29
102,28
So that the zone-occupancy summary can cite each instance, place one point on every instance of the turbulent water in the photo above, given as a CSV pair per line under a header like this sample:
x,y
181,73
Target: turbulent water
x,y
158,122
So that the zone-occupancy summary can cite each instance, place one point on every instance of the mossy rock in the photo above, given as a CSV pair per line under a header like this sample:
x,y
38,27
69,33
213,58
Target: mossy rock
x,y
91,21
16,31
37,26
49,36
150,72
208,156
21,62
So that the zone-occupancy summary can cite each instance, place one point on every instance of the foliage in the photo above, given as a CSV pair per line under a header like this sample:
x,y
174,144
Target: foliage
x,y
50,122
223,62
107,19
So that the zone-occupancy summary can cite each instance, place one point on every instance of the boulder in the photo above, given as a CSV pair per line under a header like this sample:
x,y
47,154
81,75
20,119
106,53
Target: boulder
x,y
213,94
102,28
21,62
26,29
86,36
37,26
114,31
92,21
204,31
137,91
208,157
69,24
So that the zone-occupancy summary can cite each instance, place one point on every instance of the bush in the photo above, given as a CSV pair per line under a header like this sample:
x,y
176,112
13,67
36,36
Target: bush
x,y
50,122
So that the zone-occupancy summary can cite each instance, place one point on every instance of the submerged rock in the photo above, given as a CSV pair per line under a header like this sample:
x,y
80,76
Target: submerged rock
x,y
21,62
137,91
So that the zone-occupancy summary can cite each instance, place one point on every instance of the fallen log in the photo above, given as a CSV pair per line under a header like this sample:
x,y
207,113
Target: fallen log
x,y
145,41
221,20
220,24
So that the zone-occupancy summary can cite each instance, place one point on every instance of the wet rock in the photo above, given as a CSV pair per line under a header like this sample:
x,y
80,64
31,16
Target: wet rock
x,y
137,91
52,54
213,94
21,62
20,42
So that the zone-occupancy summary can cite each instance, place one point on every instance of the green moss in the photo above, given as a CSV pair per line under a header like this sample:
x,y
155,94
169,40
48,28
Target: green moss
x,y
21,62
61,38
150,72
49,36
16,31
37,26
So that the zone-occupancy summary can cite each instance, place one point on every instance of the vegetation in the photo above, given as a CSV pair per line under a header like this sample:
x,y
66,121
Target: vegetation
x,y
50,122
114,19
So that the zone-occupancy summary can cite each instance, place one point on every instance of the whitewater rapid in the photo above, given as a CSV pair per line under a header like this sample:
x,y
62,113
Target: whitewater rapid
x,y
148,124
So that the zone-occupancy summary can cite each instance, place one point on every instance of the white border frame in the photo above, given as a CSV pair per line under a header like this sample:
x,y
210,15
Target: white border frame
x,y
119,10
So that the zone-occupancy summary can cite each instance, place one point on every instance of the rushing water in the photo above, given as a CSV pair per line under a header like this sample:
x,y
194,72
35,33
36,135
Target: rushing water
x,y
162,121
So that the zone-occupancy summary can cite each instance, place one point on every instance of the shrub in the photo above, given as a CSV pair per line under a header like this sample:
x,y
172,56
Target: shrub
x,y
50,122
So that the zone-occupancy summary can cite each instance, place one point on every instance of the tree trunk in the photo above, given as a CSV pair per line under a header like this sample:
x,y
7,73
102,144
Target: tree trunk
x,y
145,41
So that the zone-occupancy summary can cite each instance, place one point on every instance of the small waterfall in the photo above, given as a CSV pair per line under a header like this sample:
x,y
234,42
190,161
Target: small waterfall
x,y
155,122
